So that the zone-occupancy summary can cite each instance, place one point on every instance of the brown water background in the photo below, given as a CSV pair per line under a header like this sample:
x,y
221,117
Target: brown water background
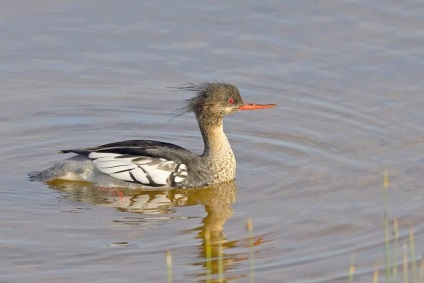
x,y
348,77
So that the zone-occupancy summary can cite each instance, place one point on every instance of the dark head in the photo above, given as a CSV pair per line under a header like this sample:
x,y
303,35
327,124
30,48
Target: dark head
x,y
215,100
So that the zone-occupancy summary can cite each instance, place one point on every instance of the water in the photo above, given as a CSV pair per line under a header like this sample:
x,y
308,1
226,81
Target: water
x,y
348,79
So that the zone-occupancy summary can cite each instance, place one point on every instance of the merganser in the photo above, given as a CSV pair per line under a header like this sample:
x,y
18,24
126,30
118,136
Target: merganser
x,y
155,164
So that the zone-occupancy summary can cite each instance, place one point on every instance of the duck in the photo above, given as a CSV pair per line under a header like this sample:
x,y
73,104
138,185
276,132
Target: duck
x,y
156,164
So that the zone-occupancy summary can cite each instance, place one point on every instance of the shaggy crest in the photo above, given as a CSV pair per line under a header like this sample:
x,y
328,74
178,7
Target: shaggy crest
x,y
204,97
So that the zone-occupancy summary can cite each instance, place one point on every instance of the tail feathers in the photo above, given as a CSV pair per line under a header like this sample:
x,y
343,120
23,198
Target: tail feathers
x,y
34,176
75,168
77,151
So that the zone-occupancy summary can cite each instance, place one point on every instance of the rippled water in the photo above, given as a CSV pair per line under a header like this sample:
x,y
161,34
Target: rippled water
x,y
348,79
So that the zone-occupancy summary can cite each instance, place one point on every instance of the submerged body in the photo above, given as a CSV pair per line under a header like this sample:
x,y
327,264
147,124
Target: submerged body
x,y
154,164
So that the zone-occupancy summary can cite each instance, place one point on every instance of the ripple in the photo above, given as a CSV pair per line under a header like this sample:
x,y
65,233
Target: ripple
x,y
310,172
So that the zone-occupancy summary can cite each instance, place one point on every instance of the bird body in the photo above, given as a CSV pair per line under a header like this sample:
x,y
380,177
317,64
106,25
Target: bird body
x,y
154,164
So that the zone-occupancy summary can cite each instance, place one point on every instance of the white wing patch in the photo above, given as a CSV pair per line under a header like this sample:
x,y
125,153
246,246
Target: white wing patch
x,y
144,170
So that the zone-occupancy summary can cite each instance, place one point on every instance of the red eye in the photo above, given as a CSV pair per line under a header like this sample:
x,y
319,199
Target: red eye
x,y
230,100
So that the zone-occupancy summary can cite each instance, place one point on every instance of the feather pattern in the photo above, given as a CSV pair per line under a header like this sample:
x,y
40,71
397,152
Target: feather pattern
x,y
146,170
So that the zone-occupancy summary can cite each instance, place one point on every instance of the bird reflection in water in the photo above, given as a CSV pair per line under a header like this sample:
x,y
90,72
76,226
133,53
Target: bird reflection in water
x,y
217,200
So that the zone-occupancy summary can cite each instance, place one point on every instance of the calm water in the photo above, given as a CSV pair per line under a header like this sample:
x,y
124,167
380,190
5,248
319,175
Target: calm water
x,y
348,79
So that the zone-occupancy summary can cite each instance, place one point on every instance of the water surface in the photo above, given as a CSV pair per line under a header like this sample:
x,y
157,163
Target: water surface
x,y
348,79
